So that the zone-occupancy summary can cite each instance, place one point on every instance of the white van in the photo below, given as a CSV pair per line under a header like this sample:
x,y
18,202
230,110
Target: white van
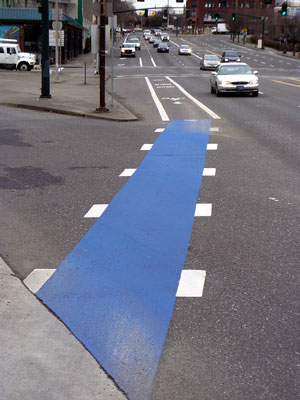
x,y
12,57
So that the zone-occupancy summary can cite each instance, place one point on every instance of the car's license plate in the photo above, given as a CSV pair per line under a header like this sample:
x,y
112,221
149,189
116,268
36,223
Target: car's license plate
x,y
239,88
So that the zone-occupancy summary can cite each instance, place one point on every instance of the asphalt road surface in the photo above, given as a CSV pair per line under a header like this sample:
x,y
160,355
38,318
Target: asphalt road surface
x,y
240,340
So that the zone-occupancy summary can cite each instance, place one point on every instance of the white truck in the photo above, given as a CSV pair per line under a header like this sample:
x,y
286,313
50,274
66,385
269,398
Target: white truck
x,y
220,28
12,57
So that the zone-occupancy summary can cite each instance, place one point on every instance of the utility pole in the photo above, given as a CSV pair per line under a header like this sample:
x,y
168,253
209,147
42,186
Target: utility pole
x,y
45,50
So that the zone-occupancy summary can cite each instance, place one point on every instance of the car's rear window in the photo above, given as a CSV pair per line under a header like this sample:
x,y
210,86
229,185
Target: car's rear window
x,y
231,54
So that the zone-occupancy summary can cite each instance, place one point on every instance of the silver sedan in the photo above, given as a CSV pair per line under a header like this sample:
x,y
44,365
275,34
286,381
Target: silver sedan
x,y
184,49
209,61
235,77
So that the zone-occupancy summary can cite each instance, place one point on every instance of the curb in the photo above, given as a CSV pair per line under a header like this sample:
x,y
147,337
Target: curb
x,y
103,115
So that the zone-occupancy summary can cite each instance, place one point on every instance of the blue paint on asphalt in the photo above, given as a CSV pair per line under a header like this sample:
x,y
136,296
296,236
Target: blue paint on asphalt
x,y
116,290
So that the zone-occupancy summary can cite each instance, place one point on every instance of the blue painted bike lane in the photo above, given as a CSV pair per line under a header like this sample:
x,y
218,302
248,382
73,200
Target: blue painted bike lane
x,y
116,290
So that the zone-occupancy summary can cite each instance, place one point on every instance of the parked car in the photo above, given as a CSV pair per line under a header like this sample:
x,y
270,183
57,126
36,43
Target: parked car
x,y
185,49
209,61
128,49
235,77
230,55
12,57
162,48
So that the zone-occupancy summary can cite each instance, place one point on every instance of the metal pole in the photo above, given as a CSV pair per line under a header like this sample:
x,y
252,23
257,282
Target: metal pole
x,y
45,51
56,42
112,59
103,19
263,34
168,15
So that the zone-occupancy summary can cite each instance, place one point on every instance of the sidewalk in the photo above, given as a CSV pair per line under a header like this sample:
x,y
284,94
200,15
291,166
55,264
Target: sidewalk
x,y
40,358
68,96
289,54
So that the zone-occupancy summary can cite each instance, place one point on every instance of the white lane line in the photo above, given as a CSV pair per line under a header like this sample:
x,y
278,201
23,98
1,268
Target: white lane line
x,y
159,130
260,92
272,65
202,106
161,110
96,211
203,210
37,278
141,62
128,172
146,147
212,146
153,62
191,283
209,172
214,129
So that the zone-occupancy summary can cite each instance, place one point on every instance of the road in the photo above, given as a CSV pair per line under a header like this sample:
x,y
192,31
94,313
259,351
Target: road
x,y
240,340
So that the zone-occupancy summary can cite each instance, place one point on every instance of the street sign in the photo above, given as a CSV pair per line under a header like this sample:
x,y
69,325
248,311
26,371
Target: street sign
x,y
59,28
52,38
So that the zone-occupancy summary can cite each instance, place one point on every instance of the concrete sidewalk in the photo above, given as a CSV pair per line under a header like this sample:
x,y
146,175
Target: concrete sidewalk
x,y
40,358
68,96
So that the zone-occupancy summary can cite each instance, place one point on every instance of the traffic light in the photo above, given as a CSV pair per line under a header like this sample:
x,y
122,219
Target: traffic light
x,y
217,17
146,13
233,17
140,0
191,22
166,13
187,13
284,9
179,1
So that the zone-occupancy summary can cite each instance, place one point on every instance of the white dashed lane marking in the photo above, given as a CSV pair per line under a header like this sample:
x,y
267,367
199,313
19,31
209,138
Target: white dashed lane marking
x,y
203,210
191,283
96,211
128,172
37,278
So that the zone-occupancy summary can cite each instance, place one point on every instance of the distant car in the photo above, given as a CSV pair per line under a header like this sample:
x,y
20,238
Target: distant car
x,y
128,49
209,61
235,77
162,48
147,35
146,31
164,36
185,49
151,39
157,32
156,42
136,41
230,56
